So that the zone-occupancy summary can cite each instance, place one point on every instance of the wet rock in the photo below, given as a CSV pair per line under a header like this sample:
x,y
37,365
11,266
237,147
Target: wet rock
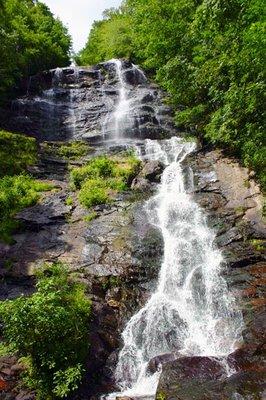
x,y
124,398
67,104
52,208
158,361
152,171
141,184
205,378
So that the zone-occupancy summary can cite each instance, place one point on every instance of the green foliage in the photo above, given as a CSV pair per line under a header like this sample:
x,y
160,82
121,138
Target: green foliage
x,y
103,176
258,244
73,150
50,330
16,193
67,150
109,38
16,153
210,57
69,201
31,40
93,192
90,217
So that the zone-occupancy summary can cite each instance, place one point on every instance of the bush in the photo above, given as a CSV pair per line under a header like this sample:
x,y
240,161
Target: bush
x,y
16,193
93,192
50,330
100,167
103,176
67,150
17,152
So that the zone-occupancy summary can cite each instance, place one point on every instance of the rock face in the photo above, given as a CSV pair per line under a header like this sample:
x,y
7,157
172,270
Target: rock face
x,y
75,103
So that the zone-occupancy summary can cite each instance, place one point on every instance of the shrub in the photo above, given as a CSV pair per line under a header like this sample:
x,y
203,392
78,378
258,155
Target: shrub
x,y
100,167
17,152
67,150
103,176
50,330
93,192
16,193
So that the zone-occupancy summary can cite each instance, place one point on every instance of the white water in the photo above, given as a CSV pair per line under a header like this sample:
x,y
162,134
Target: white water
x,y
123,106
191,311
121,119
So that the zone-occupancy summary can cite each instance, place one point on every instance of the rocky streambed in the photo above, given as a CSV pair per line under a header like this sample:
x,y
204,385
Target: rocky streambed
x,y
118,254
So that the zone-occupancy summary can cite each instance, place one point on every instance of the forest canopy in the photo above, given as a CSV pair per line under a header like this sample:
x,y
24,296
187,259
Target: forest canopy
x,y
210,57
31,40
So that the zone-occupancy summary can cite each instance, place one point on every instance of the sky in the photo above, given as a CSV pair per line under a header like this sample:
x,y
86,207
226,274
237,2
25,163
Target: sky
x,y
78,16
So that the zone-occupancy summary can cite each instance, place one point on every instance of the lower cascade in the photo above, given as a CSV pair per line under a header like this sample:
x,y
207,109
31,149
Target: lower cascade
x,y
191,312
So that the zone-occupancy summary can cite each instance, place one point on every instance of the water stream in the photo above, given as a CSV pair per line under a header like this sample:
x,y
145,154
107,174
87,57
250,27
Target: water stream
x,y
191,311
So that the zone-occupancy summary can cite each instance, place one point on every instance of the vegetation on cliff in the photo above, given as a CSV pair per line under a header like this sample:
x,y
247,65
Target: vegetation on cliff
x,y
31,40
17,189
49,330
208,54
102,177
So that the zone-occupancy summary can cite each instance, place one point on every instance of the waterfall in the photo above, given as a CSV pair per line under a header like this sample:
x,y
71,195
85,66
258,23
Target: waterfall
x,y
121,120
122,109
191,312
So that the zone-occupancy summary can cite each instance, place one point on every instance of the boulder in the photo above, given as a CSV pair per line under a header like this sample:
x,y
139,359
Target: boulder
x,y
141,184
152,171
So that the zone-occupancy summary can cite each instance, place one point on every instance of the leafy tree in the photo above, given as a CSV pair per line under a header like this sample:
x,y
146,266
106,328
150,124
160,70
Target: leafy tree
x,y
50,331
31,40
210,57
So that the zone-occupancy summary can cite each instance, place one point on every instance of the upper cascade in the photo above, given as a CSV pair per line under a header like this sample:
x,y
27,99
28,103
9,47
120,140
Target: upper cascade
x,y
90,103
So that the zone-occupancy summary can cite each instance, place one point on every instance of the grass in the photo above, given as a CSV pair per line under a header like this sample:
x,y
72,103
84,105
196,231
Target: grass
x,y
16,193
102,177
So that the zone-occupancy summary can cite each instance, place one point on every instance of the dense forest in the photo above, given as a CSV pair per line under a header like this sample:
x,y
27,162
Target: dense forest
x,y
209,55
31,40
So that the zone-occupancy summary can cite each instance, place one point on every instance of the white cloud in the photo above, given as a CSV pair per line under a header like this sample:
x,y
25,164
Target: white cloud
x,y
78,16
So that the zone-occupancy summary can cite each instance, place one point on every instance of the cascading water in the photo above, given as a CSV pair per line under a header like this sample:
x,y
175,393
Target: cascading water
x,y
191,311
121,112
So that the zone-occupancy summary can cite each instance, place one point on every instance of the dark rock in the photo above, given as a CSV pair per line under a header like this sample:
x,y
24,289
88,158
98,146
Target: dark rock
x,y
158,361
202,378
141,184
52,208
152,171
67,104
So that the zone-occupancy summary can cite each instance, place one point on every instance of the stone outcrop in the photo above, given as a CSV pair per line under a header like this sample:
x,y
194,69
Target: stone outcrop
x,y
71,104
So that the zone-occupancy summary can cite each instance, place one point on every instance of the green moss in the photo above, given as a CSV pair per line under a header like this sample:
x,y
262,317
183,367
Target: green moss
x,y
90,217
111,282
160,396
17,193
102,177
247,183
73,150
5,349
17,152
258,244
69,201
